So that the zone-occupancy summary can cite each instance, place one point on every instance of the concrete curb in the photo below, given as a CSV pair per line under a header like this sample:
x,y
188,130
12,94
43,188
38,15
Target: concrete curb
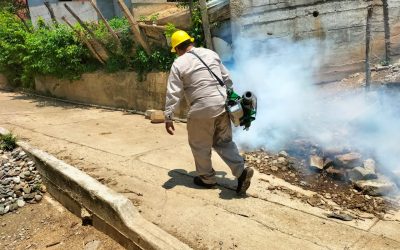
x,y
110,211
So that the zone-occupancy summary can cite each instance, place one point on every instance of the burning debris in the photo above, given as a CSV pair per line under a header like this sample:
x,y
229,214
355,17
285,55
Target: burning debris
x,y
339,178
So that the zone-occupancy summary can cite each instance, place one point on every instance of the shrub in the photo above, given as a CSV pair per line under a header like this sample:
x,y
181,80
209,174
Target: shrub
x,y
8,142
12,47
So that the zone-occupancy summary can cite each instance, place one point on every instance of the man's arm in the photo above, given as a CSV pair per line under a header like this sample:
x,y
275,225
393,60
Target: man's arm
x,y
174,95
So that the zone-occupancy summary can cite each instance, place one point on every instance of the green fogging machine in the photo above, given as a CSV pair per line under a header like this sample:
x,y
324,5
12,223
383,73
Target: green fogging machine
x,y
242,109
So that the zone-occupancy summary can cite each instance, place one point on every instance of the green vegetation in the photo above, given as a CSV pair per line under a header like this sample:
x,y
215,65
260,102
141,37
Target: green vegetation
x,y
8,142
28,50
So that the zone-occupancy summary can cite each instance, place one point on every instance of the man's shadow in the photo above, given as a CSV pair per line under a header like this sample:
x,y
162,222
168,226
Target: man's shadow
x,y
180,177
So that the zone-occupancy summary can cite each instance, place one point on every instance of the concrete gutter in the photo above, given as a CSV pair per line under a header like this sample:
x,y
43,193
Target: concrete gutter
x,y
109,211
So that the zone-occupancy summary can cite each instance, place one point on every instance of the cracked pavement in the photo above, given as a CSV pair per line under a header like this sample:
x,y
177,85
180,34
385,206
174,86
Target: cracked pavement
x,y
153,169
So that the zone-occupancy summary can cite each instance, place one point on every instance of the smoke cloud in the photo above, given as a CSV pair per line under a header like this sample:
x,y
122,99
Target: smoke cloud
x,y
291,106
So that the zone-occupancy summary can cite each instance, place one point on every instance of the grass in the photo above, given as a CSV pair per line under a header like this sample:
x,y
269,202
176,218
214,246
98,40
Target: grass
x,y
8,142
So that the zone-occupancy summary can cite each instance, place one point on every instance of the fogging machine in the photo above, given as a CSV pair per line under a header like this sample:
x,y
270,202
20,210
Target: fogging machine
x,y
242,109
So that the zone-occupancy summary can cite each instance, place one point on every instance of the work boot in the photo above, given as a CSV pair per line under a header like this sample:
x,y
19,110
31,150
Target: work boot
x,y
199,182
244,180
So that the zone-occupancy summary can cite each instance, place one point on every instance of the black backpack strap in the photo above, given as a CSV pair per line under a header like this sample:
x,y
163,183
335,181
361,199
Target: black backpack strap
x,y
216,77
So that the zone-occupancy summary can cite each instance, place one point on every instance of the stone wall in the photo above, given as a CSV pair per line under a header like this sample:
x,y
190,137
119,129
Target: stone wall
x,y
340,24
120,90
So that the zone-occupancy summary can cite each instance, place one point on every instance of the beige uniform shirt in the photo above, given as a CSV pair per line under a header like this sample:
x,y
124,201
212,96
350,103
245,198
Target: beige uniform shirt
x,y
189,77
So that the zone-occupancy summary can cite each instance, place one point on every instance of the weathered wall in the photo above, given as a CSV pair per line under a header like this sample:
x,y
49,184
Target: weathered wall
x,y
120,90
340,24
3,81
83,9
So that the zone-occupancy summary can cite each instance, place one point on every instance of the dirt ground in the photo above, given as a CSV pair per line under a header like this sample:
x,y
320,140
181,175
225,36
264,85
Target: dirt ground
x,y
48,225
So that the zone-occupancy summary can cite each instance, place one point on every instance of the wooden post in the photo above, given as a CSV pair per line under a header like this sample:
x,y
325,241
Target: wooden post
x,y
134,26
24,22
368,49
387,30
106,23
50,9
206,24
84,26
85,41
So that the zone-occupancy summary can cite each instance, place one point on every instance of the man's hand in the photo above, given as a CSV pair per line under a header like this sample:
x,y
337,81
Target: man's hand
x,y
169,126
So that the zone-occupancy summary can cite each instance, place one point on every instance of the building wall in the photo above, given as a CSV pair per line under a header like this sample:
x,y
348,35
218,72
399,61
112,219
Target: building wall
x,y
120,90
82,8
340,24
109,9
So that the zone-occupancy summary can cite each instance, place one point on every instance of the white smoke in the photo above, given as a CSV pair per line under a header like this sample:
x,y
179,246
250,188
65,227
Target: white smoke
x,y
290,105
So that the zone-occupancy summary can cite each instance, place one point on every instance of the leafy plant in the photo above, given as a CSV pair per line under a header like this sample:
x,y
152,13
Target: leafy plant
x,y
142,18
154,17
169,29
55,51
12,47
159,59
196,30
8,142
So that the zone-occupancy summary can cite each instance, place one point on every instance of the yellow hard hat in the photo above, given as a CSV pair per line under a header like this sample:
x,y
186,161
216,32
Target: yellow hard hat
x,y
179,37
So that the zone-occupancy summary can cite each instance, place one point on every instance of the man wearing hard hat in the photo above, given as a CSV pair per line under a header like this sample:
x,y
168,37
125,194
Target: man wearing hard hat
x,y
199,75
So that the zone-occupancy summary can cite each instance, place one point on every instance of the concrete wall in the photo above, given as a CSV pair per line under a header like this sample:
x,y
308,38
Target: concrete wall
x,y
120,90
3,81
340,24
83,9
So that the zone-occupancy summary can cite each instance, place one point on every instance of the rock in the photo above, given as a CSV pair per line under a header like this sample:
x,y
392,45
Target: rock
x,y
274,168
283,154
6,209
2,209
21,203
27,190
338,174
340,216
16,179
93,245
38,197
13,206
282,160
328,162
314,201
157,116
360,173
350,160
380,186
29,196
328,196
369,165
316,162
148,113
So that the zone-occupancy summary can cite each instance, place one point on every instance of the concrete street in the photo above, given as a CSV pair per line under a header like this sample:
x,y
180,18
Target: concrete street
x,y
153,169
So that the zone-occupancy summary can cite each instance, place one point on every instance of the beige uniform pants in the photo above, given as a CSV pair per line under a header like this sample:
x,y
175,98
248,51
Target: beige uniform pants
x,y
216,133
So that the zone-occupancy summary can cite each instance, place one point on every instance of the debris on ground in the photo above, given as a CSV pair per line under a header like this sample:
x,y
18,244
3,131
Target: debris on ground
x,y
334,190
20,182
340,216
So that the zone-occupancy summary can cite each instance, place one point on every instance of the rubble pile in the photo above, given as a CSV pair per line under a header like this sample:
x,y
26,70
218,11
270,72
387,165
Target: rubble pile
x,y
20,182
339,179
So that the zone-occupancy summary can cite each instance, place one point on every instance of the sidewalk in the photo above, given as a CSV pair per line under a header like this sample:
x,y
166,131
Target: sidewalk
x,y
140,160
